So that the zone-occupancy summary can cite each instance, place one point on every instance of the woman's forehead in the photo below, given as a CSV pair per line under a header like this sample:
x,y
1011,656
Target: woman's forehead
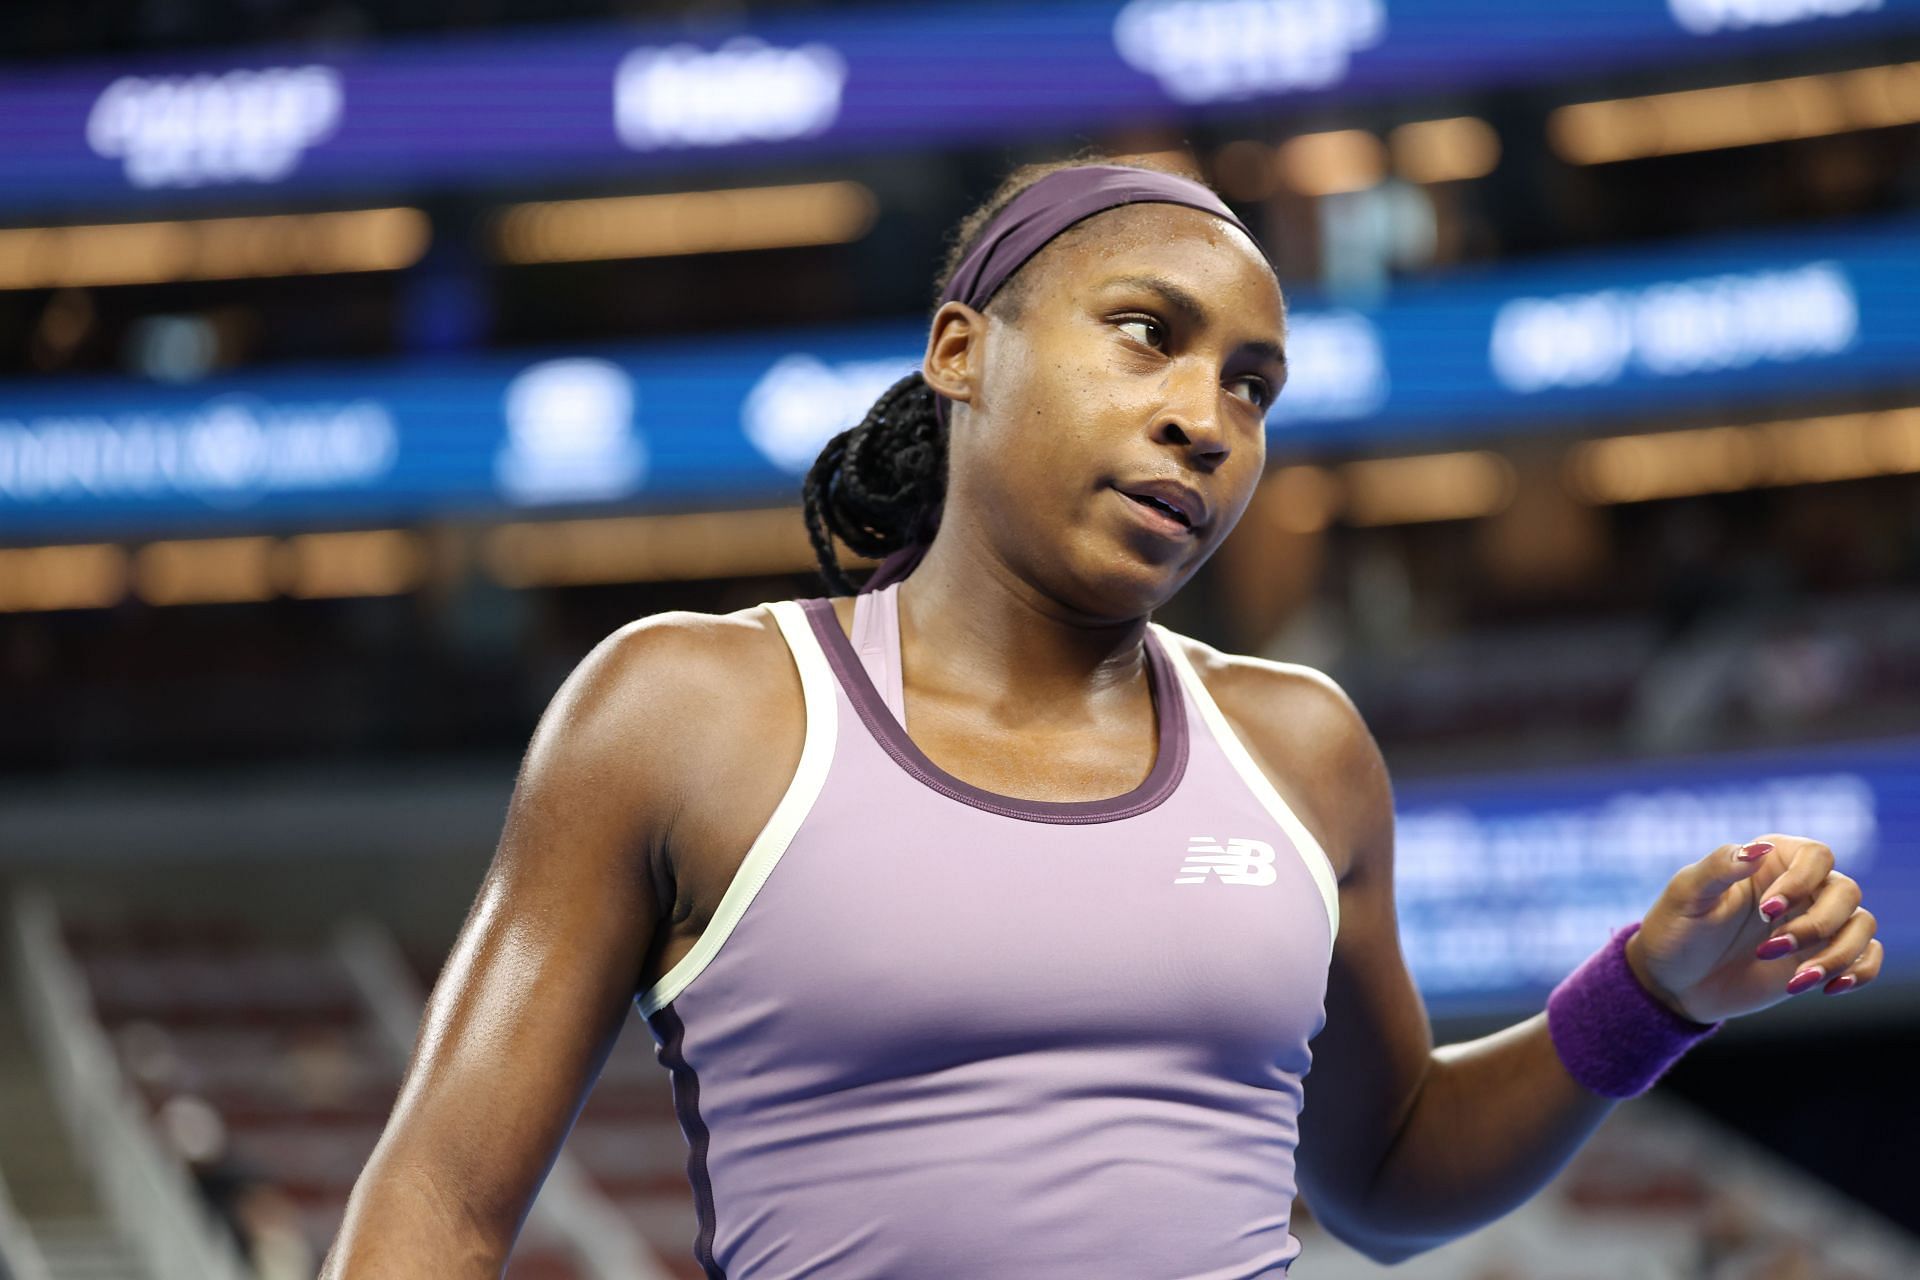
x,y
1187,248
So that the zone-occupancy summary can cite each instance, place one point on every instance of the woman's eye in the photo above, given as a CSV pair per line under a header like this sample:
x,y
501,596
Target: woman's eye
x,y
1146,326
1259,393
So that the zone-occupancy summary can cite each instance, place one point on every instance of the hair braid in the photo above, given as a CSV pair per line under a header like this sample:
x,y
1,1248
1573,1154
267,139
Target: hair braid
x,y
875,484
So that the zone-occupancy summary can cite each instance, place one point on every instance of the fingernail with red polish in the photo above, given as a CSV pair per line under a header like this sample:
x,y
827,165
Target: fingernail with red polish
x,y
1772,907
1774,948
1758,849
1804,979
1842,983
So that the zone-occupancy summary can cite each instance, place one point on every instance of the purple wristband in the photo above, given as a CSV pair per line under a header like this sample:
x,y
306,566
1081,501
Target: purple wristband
x,y
1614,1036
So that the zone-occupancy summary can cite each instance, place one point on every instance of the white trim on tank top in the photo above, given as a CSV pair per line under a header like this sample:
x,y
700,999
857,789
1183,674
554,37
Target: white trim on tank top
x,y
816,756
1319,866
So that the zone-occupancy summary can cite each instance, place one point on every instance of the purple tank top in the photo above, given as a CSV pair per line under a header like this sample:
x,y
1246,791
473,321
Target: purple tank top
x,y
933,1031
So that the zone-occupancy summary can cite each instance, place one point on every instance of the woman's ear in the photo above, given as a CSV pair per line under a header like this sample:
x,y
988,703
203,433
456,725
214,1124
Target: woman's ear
x,y
953,351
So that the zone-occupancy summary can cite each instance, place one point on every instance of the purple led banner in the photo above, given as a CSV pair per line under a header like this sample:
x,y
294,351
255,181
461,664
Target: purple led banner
x,y
596,103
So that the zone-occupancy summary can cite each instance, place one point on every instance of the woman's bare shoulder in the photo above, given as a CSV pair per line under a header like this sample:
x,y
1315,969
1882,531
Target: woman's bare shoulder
x,y
665,702
1308,737
681,647
688,677
1257,688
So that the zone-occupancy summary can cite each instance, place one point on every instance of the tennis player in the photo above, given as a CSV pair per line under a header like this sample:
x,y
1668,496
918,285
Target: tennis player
x,y
989,929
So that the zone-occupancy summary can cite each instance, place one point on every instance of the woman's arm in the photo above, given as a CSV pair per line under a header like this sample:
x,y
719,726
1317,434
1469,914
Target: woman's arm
x,y
1401,1147
542,975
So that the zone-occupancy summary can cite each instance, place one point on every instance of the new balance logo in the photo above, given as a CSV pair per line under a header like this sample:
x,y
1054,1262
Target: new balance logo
x,y
1234,862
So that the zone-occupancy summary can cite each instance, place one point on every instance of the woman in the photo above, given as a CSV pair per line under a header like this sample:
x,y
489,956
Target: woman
x,y
1029,908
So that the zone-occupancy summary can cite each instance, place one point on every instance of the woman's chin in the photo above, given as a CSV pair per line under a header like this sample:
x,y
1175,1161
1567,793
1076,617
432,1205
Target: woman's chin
x,y
1119,585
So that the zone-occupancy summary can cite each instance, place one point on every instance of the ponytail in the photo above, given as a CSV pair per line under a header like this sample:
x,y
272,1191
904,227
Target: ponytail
x,y
878,486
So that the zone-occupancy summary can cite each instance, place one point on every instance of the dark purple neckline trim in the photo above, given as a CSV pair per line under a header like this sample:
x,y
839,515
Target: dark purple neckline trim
x,y
1169,759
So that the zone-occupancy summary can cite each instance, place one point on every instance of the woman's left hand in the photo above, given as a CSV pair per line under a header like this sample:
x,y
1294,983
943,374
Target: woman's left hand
x,y
1707,951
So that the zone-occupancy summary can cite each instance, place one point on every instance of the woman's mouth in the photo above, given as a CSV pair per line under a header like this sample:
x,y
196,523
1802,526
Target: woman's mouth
x,y
1160,515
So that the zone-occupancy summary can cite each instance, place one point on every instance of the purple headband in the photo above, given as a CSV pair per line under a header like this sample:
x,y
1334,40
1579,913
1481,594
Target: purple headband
x,y
1050,206
1053,204
1022,229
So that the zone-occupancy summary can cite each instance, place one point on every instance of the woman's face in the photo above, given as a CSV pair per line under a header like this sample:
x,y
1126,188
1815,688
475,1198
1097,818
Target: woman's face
x,y
1113,432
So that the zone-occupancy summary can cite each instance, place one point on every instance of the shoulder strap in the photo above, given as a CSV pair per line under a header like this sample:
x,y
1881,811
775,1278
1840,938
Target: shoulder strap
x,y
876,638
816,758
1318,865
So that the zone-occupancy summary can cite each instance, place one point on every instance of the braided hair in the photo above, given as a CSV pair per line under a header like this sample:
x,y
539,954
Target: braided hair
x,y
878,486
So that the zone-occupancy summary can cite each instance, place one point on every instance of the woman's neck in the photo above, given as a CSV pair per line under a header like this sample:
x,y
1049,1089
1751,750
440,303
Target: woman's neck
x,y
1003,637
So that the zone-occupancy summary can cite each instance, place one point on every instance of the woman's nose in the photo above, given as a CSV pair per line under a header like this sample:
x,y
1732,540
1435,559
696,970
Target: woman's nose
x,y
1190,422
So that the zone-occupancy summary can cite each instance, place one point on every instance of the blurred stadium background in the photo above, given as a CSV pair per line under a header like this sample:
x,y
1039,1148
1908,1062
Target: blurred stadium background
x,y
362,365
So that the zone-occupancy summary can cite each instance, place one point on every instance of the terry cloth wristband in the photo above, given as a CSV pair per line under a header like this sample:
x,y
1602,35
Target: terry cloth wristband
x,y
1613,1035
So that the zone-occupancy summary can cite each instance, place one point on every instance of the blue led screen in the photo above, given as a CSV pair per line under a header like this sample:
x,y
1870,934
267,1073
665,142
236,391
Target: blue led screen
x,y
606,101
1505,884
1733,324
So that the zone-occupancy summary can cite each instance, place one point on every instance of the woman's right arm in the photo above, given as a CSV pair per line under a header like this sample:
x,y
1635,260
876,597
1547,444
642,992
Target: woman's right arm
x,y
542,975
